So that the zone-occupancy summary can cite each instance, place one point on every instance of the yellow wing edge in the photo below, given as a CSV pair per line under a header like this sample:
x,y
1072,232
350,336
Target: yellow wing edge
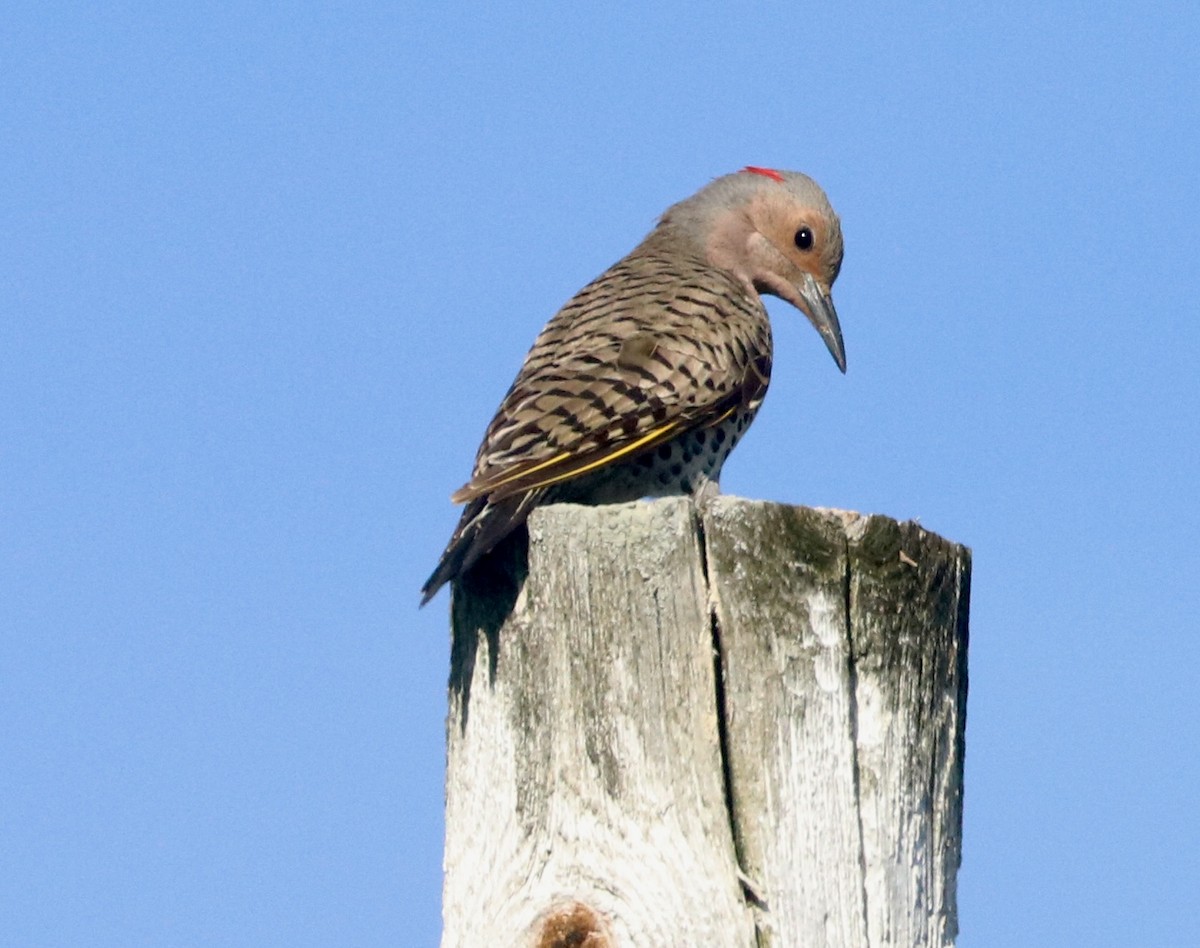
x,y
510,478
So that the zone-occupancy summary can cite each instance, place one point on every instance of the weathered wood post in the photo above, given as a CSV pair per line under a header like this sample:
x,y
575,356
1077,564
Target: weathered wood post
x,y
740,728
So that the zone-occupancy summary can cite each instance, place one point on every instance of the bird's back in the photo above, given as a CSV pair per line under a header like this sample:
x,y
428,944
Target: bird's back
x,y
658,340
639,386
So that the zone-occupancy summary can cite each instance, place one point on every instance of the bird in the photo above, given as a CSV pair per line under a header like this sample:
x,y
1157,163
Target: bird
x,y
644,381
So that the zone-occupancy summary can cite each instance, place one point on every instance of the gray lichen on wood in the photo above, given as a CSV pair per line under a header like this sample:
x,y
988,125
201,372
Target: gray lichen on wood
x,y
743,728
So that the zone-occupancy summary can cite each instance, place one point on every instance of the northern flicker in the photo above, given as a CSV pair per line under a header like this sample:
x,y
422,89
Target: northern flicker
x,y
641,385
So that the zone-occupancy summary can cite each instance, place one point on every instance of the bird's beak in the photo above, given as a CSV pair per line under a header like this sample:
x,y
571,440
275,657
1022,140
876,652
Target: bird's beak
x,y
818,307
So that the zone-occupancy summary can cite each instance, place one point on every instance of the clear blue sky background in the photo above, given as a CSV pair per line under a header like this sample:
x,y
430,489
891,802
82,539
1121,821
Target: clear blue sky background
x,y
267,269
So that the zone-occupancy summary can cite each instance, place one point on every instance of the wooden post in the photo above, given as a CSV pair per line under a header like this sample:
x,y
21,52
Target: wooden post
x,y
740,729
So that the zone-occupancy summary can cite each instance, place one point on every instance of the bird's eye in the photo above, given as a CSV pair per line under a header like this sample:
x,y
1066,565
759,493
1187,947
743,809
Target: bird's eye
x,y
804,238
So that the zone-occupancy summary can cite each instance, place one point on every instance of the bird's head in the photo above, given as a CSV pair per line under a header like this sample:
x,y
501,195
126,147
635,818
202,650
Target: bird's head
x,y
776,231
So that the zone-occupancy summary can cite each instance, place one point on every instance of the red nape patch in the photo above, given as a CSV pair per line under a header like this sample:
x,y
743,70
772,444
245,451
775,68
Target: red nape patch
x,y
765,172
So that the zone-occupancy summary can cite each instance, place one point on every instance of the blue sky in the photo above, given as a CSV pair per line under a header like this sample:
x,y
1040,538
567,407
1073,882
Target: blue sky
x,y
267,271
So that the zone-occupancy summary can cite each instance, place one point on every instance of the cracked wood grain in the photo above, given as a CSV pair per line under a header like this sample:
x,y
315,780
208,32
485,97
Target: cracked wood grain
x,y
743,727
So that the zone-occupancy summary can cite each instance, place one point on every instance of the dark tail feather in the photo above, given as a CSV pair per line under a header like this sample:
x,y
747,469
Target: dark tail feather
x,y
482,526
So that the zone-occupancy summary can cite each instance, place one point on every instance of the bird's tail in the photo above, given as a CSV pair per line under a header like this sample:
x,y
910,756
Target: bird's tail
x,y
482,526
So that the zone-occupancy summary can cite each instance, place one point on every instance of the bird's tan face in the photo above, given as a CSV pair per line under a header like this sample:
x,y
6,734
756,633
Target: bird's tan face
x,y
788,249
809,239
